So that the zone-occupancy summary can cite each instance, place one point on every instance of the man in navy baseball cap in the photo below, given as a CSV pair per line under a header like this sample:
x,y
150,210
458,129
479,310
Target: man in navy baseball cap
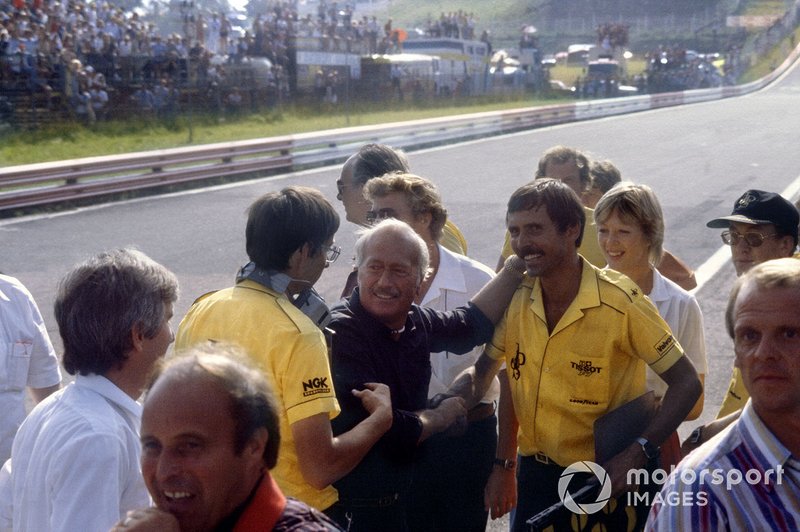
x,y
762,226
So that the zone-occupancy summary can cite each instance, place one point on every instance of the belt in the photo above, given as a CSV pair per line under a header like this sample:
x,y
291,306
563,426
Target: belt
x,y
377,502
543,459
480,412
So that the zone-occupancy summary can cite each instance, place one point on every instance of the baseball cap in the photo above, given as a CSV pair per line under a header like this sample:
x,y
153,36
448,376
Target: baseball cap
x,y
759,207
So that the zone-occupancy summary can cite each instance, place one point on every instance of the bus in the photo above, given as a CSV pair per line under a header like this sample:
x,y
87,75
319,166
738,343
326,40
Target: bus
x,y
463,64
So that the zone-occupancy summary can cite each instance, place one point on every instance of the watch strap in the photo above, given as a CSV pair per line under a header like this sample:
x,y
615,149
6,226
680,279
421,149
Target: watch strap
x,y
505,464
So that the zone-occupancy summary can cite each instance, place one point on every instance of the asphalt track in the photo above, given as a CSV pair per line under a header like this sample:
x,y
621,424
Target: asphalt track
x,y
698,158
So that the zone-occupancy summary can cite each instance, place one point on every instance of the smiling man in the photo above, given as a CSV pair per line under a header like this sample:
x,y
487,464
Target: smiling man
x,y
382,336
575,340
210,435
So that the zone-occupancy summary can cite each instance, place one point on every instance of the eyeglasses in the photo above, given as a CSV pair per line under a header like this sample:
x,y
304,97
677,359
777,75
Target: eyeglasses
x,y
332,254
381,214
752,238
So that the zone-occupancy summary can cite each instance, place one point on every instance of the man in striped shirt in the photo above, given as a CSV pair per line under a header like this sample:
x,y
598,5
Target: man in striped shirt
x,y
749,475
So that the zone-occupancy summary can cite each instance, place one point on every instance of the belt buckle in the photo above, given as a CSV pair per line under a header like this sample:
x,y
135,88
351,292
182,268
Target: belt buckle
x,y
542,458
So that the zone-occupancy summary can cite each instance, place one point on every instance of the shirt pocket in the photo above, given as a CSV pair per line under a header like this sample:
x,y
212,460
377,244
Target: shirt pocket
x,y
591,388
18,361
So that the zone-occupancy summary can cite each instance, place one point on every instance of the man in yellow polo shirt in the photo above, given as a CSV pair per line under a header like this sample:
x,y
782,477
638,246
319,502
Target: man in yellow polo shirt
x,y
273,313
575,341
571,167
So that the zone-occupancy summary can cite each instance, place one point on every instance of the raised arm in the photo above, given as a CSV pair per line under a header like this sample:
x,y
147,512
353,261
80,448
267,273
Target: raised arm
x,y
495,296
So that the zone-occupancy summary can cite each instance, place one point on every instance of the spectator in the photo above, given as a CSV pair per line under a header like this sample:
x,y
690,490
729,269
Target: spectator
x,y
81,445
762,226
452,471
99,101
572,168
761,447
382,336
375,160
602,176
630,229
224,403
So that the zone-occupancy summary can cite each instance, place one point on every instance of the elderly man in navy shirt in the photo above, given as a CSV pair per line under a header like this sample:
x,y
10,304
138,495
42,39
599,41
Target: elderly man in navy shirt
x,y
382,335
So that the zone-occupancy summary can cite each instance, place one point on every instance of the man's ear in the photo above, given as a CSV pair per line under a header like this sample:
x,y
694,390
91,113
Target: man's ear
x,y
787,245
137,337
573,232
426,218
254,448
299,257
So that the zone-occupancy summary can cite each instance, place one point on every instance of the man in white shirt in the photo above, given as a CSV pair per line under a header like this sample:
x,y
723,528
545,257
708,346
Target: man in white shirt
x,y
75,459
27,358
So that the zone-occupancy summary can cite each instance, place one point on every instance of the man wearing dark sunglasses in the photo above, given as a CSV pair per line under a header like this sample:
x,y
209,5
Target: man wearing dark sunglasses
x,y
762,227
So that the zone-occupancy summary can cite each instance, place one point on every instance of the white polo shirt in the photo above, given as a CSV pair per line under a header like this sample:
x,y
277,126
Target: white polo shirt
x,y
75,460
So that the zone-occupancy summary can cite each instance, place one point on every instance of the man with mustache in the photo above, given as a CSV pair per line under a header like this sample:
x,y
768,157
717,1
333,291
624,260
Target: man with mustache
x,y
575,340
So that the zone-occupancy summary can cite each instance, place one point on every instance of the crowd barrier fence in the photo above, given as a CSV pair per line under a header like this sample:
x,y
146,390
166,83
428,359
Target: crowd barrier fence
x,y
32,185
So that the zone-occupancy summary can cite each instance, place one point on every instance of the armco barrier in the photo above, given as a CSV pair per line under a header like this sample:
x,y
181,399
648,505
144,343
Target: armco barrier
x,y
38,184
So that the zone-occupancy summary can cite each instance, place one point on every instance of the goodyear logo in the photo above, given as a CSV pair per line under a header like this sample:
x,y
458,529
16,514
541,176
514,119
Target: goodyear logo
x,y
665,344
315,386
585,368
584,402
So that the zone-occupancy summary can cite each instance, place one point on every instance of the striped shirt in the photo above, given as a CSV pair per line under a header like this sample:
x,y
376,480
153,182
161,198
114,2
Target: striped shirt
x,y
743,479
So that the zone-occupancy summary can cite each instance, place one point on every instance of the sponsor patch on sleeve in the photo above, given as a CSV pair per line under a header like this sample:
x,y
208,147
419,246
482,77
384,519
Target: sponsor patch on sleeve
x,y
315,386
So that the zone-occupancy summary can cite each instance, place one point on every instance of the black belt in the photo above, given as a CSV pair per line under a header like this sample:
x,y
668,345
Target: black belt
x,y
378,502
541,458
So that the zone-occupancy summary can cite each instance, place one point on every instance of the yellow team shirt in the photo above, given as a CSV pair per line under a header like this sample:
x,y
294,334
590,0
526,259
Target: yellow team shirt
x,y
736,396
289,348
453,239
590,248
593,362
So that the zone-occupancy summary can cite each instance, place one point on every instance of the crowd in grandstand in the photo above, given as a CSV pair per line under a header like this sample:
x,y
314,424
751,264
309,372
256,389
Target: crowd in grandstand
x,y
84,52
91,56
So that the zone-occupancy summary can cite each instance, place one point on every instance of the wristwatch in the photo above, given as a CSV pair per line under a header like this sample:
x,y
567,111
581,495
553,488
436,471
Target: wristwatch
x,y
696,436
508,465
650,450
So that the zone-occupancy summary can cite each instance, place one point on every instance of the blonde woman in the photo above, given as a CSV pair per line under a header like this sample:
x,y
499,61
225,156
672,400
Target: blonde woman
x,y
630,231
